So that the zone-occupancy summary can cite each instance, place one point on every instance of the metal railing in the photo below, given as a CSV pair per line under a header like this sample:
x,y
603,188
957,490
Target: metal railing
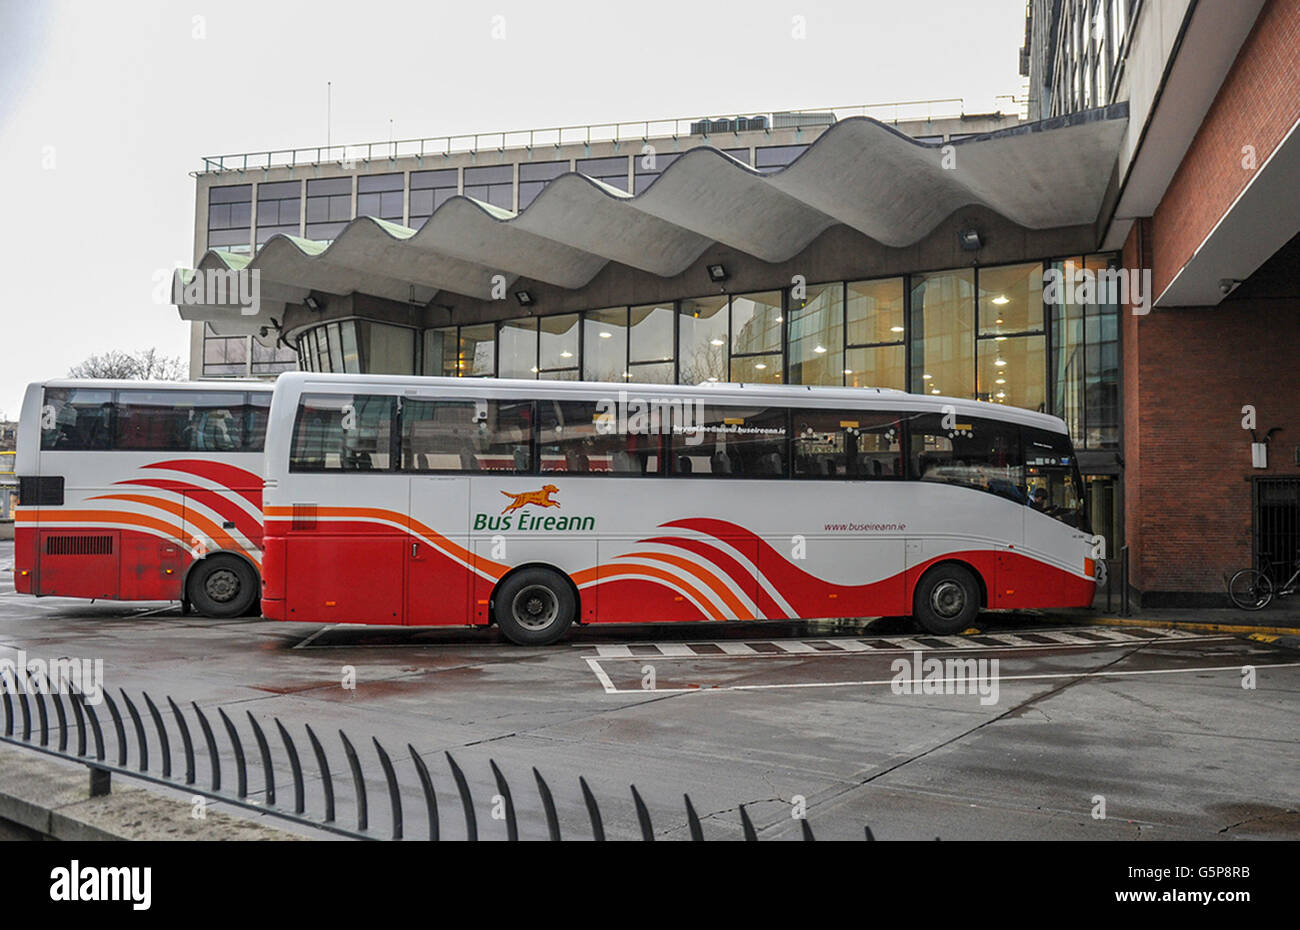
x,y
633,131
72,730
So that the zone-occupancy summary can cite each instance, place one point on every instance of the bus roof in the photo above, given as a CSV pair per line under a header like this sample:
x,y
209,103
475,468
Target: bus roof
x,y
722,392
121,383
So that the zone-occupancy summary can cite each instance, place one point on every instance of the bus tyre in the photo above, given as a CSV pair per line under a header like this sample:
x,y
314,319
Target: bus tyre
x,y
534,607
947,600
222,587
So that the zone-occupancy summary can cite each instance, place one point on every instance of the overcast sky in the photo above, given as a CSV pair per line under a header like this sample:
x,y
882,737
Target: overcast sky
x,y
105,108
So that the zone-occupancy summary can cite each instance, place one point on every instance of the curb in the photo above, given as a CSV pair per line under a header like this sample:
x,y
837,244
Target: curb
x,y
1201,626
50,798
1290,641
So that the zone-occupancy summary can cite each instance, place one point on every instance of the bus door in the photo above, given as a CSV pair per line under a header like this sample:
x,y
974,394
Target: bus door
x,y
437,578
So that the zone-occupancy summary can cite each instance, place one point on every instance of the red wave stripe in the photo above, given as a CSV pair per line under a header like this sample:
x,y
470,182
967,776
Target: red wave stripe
x,y
248,525
739,574
243,482
809,595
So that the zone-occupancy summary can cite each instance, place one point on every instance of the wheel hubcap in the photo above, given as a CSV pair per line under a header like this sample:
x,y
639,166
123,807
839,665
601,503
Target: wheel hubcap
x,y
535,607
222,585
948,599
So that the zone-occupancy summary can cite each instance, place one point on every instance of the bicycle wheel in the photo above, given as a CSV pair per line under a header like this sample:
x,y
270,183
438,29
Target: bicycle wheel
x,y
1250,589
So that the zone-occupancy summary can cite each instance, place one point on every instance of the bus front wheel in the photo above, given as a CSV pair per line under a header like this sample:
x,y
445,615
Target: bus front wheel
x,y
534,607
222,587
947,600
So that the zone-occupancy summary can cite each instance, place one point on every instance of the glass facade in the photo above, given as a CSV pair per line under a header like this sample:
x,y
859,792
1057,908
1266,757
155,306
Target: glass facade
x,y
230,212
429,191
380,196
494,184
992,333
279,210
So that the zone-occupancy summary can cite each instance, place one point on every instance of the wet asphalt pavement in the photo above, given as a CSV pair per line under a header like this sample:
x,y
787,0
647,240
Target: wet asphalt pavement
x,y
1155,722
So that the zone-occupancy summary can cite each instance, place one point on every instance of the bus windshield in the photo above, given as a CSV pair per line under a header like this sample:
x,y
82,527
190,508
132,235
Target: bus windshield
x,y
1052,477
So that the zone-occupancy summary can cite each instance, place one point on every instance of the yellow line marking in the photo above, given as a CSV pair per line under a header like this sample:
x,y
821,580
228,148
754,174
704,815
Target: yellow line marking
x,y
1195,625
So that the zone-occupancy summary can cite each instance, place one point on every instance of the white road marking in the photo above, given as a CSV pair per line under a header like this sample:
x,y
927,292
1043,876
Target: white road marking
x,y
314,635
737,649
904,643
674,650
793,646
610,689
614,652
850,645
601,676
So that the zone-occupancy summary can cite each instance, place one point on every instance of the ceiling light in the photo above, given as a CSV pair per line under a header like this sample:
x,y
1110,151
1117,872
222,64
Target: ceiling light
x,y
566,354
848,371
998,321
895,329
819,349
934,391
1000,381
1001,299
927,377
716,342
1000,362
606,334
999,338
760,366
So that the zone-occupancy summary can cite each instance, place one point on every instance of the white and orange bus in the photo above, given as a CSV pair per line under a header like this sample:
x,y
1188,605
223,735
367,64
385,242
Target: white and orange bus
x,y
142,491
537,504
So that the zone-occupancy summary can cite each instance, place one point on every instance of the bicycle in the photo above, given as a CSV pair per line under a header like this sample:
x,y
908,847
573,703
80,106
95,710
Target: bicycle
x,y
1254,589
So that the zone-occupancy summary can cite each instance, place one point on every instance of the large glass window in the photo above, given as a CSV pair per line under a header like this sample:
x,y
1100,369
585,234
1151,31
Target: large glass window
x,y
230,211
329,207
475,435
343,432
702,340
1085,352
650,343
580,437
1054,486
942,333
604,345
440,349
846,444
968,451
817,336
733,442
189,421
429,191
517,355
388,350
611,171
645,172
494,184
535,175
224,356
477,356
769,159
380,195
874,313
558,347
77,419
279,209
1011,342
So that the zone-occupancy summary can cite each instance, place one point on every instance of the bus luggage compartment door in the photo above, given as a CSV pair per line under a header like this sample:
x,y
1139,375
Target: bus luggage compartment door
x,y
79,563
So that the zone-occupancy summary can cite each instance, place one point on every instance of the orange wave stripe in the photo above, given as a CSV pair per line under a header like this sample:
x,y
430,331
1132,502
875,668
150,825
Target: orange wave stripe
x,y
218,535
611,571
493,569
112,517
715,584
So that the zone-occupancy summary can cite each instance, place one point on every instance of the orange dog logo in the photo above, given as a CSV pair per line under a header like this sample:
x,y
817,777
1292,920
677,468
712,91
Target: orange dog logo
x,y
540,498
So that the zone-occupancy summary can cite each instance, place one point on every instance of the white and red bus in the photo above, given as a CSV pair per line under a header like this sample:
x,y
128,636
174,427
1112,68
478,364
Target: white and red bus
x,y
134,490
538,504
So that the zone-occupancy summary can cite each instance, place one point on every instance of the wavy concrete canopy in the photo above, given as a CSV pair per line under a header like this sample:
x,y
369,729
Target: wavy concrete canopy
x,y
859,173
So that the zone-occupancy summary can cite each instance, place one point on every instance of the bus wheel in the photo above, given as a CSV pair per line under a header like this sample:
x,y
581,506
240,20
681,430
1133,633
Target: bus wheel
x,y
534,607
947,600
222,587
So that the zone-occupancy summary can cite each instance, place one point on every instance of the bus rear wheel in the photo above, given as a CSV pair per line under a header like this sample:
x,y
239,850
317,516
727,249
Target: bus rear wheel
x,y
222,587
534,607
947,600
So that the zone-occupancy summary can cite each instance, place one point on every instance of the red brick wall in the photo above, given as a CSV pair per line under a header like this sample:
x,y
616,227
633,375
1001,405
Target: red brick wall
x,y
1257,104
1188,501
1135,254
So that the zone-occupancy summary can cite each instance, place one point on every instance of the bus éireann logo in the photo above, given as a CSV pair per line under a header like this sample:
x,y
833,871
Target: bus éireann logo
x,y
540,498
